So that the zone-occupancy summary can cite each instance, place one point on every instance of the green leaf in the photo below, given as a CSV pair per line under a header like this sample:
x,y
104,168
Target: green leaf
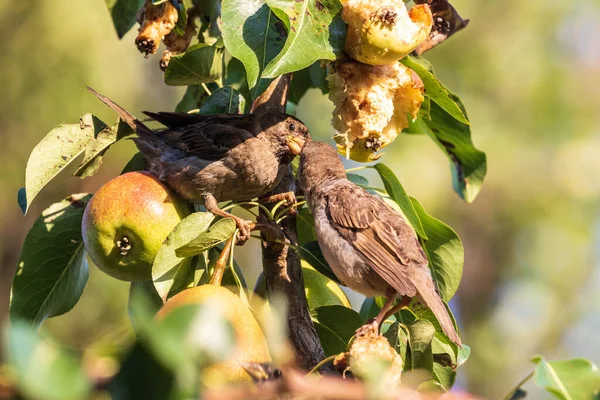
x,y
468,165
444,251
123,13
398,339
141,376
463,355
436,91
569,379
335,326
311,253
95,149
396,191
369,309
22,200
222,230
225,100
199,64
305,226
236,77
43,370
358,179
53,269
444,356
321,291
312,76
186,338
420,311
254,35
330,341
137,163
421,335
316,31
431,386
146,289
182,19
167,265
342,320
56,151
191,99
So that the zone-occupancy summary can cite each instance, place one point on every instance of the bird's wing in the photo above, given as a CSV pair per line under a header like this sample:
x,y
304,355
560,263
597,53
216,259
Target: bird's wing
x,y
178,119
381,235
208,140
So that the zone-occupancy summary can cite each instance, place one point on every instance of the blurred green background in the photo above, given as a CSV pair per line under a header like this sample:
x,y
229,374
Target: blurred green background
x,y
528,73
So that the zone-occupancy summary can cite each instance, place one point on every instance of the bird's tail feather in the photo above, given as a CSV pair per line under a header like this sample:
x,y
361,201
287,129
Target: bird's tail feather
x,y
429,296
142,130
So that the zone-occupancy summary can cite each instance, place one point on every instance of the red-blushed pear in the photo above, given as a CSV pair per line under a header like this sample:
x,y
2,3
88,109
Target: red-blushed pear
x,y
250,343
126,222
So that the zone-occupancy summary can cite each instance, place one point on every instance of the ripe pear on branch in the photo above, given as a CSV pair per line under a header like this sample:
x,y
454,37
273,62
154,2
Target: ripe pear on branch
x,y
126,222
251,348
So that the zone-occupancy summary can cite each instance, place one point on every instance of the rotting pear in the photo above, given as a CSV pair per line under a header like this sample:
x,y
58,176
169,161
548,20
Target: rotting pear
x,y
381,32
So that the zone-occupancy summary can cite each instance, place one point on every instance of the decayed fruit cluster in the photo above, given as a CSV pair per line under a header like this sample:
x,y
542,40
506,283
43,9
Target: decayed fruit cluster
x,y
368,350
157,24
373,94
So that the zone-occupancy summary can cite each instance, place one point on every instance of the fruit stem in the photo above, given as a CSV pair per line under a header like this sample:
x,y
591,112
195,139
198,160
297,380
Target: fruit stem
x,y
221,263
321,363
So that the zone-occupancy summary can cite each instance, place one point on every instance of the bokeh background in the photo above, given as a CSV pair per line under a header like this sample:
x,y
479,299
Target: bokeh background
x,y
528,72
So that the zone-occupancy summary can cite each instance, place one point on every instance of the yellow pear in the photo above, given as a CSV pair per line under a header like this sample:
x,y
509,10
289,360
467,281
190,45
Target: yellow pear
x,y
250,342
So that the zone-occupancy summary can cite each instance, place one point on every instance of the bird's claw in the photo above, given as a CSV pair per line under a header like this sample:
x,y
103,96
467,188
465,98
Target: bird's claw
x,y
244,228
288,198
370,328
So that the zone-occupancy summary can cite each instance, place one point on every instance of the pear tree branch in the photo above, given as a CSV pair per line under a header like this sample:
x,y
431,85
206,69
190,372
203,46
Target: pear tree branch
x,y
283,273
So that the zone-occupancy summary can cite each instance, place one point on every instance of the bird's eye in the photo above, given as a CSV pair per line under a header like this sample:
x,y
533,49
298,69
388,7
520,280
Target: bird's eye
x,y
292,126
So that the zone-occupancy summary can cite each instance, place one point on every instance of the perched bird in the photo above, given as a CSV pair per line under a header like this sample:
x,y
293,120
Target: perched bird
x,y
207,159
369,246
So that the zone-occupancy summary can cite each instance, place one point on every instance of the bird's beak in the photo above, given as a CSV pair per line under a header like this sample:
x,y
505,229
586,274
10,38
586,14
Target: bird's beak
x,y
295,144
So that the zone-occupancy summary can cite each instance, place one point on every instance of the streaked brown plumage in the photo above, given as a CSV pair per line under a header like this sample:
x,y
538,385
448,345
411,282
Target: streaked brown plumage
x,y
369,246
207,159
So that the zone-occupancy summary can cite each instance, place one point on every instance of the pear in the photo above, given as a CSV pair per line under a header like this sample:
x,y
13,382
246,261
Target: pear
x,y
250,342
126,222
381,32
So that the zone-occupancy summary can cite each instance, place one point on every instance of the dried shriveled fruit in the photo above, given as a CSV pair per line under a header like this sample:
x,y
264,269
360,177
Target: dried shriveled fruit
x,y
382,31
177,44
156,21
446,22
372,105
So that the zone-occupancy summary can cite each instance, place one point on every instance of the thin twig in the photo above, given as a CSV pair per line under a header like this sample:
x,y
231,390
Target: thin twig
x,y
221,263
323,362
514,390
206,89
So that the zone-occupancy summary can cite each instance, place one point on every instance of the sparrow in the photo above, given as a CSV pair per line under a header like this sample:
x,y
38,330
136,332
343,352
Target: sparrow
x,y
370,247
207,159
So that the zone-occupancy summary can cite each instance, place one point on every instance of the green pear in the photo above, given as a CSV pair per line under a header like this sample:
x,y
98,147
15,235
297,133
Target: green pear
x,y
126,222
